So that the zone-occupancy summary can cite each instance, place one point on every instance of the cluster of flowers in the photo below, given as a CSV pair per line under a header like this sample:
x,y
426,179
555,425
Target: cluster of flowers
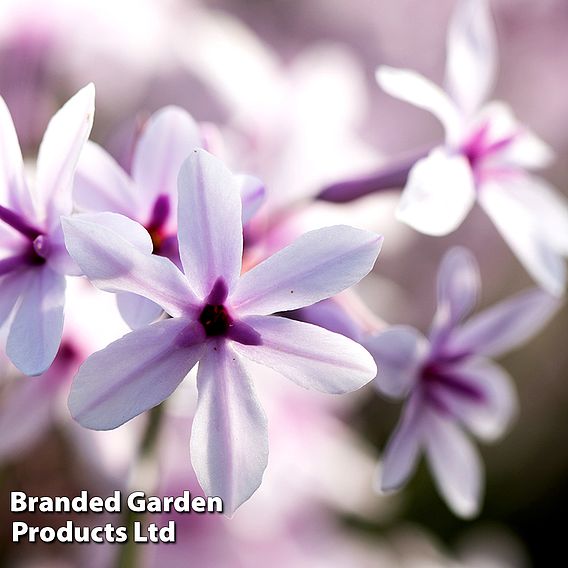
x,y
167,239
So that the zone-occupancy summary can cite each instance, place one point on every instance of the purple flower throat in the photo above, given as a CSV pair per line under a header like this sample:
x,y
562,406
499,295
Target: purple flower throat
x,y
218,322
156,226
438,379
479,147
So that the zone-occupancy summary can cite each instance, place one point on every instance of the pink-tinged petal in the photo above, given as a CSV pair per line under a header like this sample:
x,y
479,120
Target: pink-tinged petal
x,y
439,194
137,311
114,252
523,230
506,325
229,438
455,464
14,192
253,194
490,417
528,151
458,290
403,449
548,206
524,149
415,89
35,333
168,138
316,266
311,356
209,222
59,152
102,185
471,55
135,373
399,352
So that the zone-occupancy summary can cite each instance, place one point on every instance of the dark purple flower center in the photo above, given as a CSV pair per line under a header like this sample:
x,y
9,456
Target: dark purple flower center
x,y
215,319
218,322
438,377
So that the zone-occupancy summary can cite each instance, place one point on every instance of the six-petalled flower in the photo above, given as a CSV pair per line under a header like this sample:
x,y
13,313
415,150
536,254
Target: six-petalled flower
x,y
219,318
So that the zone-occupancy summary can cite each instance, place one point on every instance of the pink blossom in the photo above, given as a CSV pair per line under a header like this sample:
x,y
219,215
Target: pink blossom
x,y
149,195
486,157
34,260
449,382
220,319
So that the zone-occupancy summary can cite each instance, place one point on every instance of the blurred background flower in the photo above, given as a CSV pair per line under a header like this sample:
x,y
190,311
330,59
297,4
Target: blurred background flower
x,y
286,91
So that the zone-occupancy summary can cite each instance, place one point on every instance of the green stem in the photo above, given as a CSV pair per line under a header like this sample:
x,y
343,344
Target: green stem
x,y
127,555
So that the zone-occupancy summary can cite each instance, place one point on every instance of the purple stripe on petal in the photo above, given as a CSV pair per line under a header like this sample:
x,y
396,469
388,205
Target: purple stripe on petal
x,y
242,332
19,223
219,292
435,375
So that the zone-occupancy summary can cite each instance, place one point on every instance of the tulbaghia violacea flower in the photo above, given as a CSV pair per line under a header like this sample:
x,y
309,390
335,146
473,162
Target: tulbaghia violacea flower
x,y
450,384
149,195
220,319
486,155
34,260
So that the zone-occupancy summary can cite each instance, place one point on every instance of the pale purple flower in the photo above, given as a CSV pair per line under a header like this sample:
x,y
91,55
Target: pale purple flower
x,y
220,319
34,260
486,156
450,384
149,194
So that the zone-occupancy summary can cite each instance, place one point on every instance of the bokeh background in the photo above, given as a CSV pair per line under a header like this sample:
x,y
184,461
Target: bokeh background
x,y
288,87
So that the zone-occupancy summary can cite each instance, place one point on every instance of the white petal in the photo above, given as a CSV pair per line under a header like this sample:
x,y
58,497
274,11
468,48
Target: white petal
x,y
399,353
548,206
522,228
458,290
316,266
229,438
455,464
528,151
168,138
59,152
311,356
59,258
488,418
137,311
209,222
11,288
35,333
415,89
13,190
253,194
102,185
134,373
114,252
439,194
403,449
472,54
506,325
525,149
